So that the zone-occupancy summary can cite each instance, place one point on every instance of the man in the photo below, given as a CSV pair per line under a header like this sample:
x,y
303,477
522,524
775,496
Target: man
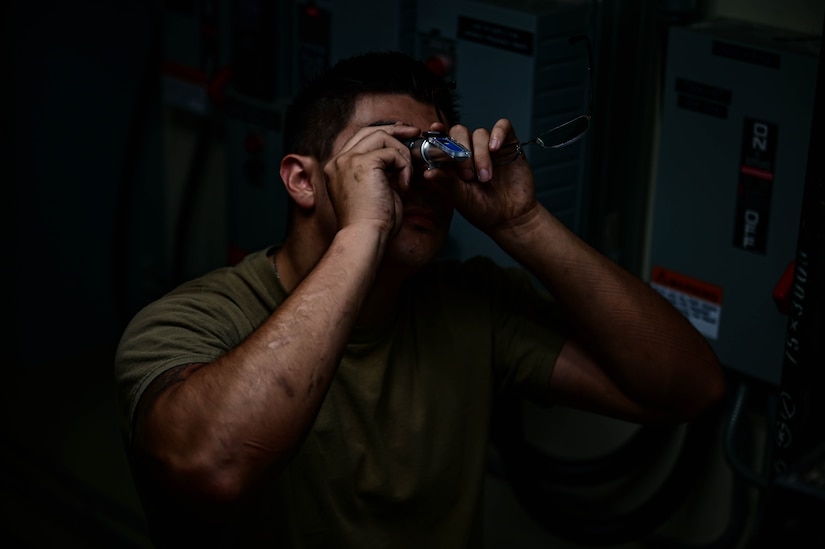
x,y
336,391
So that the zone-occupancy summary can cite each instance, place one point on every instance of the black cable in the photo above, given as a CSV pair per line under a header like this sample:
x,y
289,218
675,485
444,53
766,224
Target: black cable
x,y
730,444
741,486
584,522
643,446
730,537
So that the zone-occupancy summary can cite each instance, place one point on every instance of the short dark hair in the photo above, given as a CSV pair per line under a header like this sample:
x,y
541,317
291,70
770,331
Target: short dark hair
x,y
325,105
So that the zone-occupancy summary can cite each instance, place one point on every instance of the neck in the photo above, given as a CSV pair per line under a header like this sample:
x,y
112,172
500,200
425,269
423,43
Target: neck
x,y
383,296
295,260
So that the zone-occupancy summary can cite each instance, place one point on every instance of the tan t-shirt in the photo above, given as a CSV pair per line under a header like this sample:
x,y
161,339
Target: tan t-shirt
x,y
397,454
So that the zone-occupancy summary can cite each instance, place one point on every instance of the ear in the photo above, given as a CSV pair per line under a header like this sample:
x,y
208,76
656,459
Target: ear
x,y
296,173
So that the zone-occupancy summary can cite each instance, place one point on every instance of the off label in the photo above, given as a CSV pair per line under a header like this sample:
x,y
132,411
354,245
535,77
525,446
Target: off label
x,y
699,301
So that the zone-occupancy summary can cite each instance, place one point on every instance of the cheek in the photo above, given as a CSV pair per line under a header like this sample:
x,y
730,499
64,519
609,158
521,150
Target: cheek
x,y
434,192
325,214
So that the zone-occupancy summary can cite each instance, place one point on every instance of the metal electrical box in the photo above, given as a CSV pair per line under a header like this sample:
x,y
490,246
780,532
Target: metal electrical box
x,y
512,59
386,26
736,120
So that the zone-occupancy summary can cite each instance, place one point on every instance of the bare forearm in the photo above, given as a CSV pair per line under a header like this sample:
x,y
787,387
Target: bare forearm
x,y
232,420
648,349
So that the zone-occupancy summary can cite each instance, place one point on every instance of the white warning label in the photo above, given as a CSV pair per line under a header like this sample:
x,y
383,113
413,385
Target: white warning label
x,y
700,302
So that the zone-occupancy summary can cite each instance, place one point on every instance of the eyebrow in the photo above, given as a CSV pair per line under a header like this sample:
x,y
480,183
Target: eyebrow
x,y
384,123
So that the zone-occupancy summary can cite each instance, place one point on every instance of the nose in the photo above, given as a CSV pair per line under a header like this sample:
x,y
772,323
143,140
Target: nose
x,y
429,190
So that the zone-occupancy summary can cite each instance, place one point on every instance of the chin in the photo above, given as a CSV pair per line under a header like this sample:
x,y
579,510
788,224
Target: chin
x,y
413,248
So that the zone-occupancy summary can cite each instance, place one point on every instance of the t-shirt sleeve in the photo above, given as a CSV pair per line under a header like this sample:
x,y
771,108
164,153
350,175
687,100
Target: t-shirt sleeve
x,y
528,334
196,323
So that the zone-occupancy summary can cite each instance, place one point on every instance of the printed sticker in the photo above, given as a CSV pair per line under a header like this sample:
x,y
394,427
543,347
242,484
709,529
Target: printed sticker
x,y
699,301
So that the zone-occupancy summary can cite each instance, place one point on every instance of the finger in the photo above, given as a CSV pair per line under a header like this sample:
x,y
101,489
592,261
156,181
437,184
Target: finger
x,y
461,134
394,162
402,131
481,155
437,127
466,169
387,145
501,133
393,159
398,214
373,137
405,174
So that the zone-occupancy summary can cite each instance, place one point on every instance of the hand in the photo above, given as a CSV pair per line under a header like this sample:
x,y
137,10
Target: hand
x,y
368,175
493,198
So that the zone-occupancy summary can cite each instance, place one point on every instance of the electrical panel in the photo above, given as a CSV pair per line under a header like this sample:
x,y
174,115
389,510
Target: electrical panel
x,y
736,121
255,95
513,59
387,26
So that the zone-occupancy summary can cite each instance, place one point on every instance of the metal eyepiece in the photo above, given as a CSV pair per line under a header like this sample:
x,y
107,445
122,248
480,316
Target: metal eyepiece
x,y
435,149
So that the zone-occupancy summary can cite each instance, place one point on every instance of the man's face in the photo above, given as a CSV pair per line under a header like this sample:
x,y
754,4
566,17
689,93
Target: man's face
x,y
428,208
